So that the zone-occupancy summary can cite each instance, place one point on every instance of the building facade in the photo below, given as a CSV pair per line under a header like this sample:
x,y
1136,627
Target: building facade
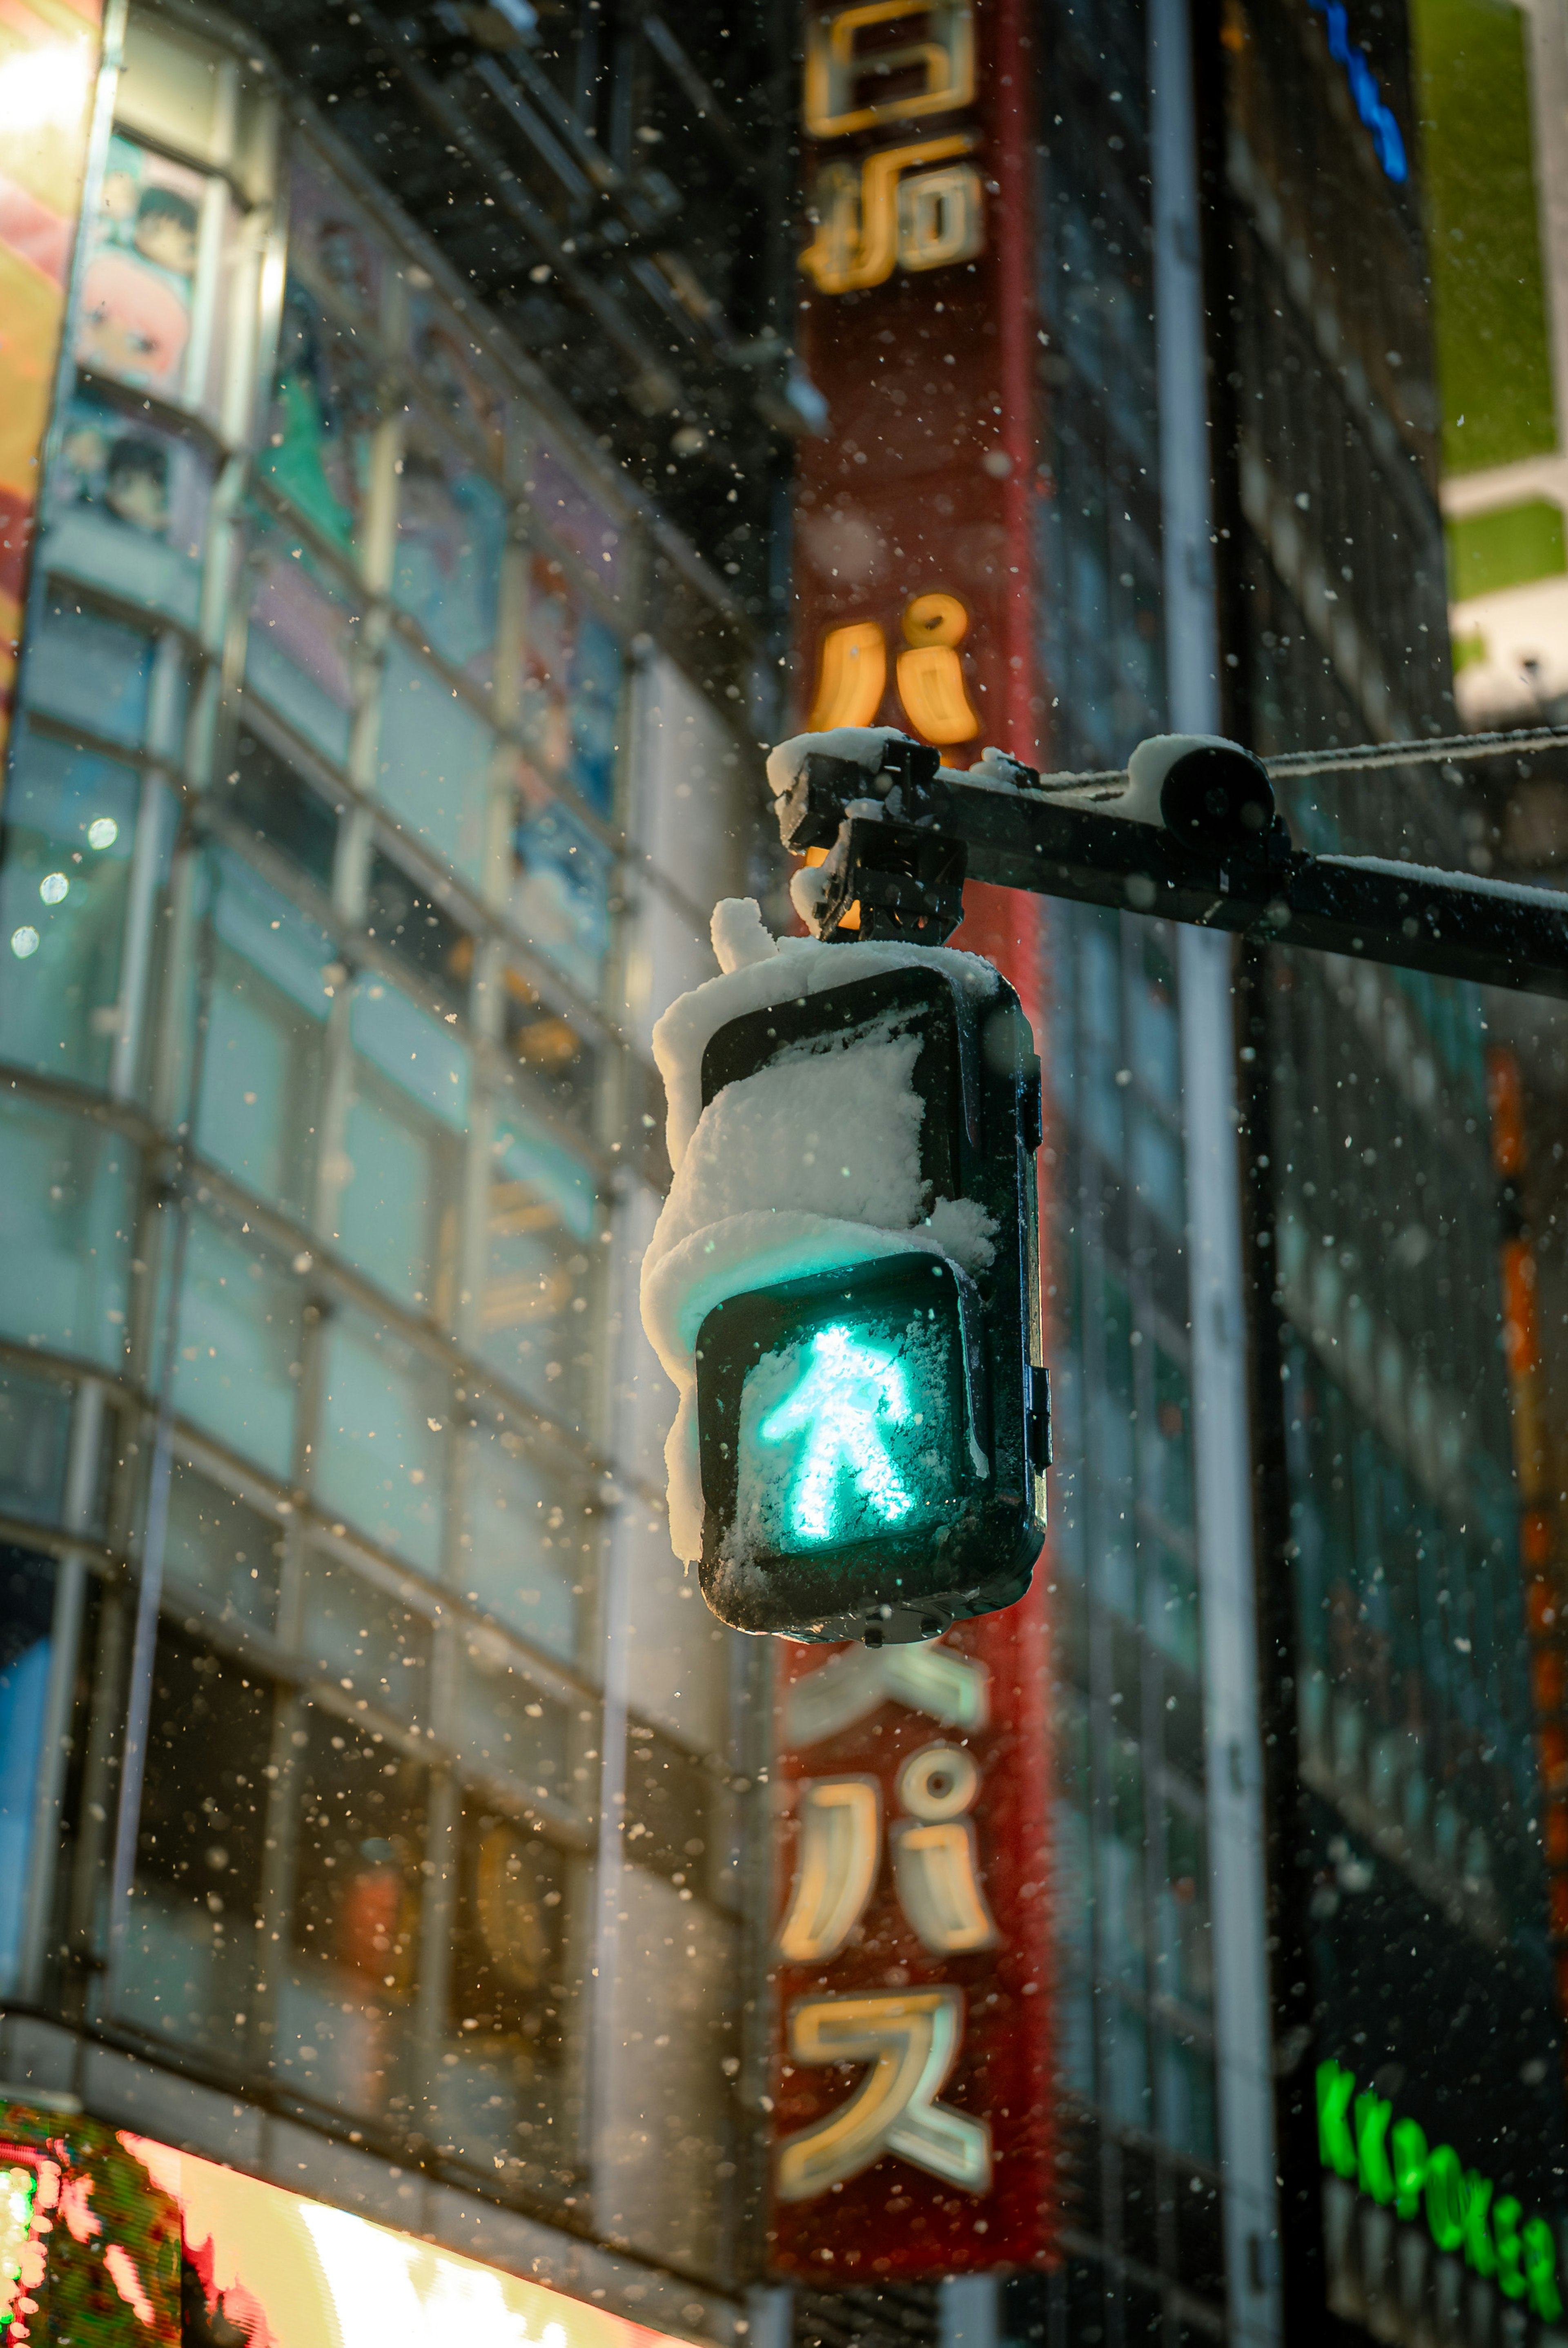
x,y
1412,1978
405,561
1136,1983
376,1792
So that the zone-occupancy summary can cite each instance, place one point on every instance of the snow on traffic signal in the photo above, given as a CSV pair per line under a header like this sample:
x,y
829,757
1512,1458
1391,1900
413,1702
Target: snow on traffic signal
x,y
844,1286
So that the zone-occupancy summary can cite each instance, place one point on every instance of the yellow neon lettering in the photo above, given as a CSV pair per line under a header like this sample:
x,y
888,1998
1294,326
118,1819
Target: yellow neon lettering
x,y
852,676
857,239
941,217
835,1868
836,62
931,674
911,2041
949,1688
937,1874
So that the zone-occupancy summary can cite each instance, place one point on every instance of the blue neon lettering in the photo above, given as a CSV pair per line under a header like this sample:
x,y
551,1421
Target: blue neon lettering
x,y
1386,135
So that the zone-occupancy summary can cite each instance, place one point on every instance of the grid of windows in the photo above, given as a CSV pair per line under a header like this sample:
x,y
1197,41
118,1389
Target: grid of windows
x,y
1143,2220
332,906
1102,633
1135,1979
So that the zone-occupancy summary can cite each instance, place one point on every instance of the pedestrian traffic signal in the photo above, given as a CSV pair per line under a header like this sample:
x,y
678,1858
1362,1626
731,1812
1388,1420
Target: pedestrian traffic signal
x,y
872,1431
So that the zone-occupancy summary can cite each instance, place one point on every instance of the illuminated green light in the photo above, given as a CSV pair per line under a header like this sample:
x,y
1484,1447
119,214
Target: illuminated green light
x,y
1540,2261
1373,2114
848,1394
1391,2163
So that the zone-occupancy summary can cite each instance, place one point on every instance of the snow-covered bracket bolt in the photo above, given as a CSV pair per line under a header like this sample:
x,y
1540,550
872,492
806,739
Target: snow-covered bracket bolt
x,y
854,803
844,1286
886,829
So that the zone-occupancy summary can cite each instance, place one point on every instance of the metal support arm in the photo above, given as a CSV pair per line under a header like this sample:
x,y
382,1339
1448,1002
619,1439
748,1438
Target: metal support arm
x,y
901,843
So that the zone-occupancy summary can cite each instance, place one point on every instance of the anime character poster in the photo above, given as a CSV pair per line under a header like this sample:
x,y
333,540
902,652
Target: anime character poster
x,y
127,504
138,288
48,63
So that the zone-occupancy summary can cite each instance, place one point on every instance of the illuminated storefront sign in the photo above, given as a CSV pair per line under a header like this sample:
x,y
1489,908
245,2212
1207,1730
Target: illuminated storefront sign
x,y
106,2237
915,205
852,673
912,2102
1390,2161
845,65
911,1964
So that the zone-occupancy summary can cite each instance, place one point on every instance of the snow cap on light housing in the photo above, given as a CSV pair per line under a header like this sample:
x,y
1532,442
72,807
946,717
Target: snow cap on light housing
x,y
1209,792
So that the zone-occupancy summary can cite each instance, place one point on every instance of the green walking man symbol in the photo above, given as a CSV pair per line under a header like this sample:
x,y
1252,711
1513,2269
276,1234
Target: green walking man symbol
x,y
850,1392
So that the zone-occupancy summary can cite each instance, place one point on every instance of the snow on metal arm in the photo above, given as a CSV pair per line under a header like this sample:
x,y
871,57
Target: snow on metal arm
x,y
1191,831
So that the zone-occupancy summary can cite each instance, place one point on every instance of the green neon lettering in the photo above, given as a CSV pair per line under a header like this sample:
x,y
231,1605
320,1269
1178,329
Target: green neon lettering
x,y
1445,2197
1540,2261
848,1396
1357,2138
1409,2141
1509,2249
1372,2171
1475,2195
1334,2089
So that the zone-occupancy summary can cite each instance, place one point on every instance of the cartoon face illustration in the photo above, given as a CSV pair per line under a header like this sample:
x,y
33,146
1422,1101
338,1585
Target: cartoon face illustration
x,y
121,188
118,201
137,486
134,324
165,232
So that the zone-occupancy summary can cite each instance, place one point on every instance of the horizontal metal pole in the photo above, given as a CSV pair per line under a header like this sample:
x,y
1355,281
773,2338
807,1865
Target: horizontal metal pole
x,y
1416,918
1366,757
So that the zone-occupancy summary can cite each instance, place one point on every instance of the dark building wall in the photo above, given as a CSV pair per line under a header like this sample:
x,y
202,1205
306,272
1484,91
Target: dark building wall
x,y
1324,401
1405,1850
1143,2206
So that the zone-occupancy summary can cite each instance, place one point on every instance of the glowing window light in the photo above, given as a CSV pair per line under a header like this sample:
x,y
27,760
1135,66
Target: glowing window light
x,y
103,831
53,888
849,1392
23,942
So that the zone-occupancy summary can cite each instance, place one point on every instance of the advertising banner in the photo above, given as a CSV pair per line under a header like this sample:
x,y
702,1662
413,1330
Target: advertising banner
x,y
49,61
109,2237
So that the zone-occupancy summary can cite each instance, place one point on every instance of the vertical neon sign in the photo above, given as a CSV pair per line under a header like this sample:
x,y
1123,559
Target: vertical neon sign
x,y
913,2092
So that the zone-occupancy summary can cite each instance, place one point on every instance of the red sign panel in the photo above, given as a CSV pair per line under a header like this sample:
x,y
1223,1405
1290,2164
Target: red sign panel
x,y
912,2102
912,2119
